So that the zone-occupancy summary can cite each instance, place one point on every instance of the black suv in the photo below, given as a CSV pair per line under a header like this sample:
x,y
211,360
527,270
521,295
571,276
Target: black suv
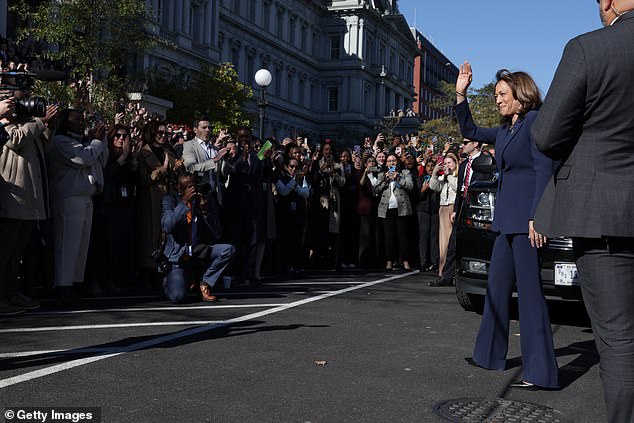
x,y
474,245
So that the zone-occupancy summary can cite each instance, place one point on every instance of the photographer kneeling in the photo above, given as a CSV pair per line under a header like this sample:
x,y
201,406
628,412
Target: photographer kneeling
x,y
191,227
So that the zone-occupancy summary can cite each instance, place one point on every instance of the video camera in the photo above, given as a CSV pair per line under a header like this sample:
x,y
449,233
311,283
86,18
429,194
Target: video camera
x,y
21,80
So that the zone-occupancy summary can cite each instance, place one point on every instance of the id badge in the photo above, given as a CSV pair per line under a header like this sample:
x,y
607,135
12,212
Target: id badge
x,y
293,206
124,192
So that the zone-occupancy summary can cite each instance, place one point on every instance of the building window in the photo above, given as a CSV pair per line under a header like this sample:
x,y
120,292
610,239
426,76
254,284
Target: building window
x,y
236,6
289,94
278,82
190,29
251,11
302,92
333,99
266,16
312,97
291,32
280,24
251,70
335,47
304,41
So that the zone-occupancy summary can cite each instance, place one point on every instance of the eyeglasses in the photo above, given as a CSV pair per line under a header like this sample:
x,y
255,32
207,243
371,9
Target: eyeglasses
x,y
160,132
293,166
120,135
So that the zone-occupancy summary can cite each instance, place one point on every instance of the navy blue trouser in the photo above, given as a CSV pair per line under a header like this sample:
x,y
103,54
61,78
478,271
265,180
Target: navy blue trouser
x,y
176,283
514,260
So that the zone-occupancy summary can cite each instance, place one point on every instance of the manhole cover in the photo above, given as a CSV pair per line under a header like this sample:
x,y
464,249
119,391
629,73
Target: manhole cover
x,y
497,410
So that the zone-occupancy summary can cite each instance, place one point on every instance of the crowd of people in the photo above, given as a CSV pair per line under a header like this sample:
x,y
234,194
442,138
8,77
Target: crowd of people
x,y
142,201
94,195
22,56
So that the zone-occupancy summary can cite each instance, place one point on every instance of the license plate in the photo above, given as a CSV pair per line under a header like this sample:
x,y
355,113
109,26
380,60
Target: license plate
x,y
566,274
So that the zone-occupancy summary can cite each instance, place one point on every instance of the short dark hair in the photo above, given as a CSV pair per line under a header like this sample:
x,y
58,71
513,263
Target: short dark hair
x,y
201,119
62,120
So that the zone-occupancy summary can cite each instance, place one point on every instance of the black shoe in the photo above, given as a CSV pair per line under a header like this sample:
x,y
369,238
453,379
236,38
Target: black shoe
x,y
65,297
428,268
439,282
472,362
525,386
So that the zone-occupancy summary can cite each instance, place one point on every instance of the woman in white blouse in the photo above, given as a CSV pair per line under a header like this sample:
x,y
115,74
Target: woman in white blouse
x,y
447,185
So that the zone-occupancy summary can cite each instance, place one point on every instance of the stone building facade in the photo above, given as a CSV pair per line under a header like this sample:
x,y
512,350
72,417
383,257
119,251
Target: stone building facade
x,y
338,66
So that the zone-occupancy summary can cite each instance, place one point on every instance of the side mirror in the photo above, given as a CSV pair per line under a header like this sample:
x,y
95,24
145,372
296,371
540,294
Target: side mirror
x,y
484,163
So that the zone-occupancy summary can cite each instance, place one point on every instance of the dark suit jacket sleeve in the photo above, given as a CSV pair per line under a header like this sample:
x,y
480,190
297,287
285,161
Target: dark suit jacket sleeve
x,y
469,129
4,136
172,212
544,169
560,122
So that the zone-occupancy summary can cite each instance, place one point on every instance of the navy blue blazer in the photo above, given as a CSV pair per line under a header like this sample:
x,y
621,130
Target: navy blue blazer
x,y
524,171
174,225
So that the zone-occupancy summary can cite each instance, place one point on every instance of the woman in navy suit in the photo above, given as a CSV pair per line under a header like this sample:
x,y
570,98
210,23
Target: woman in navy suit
x,y
524,173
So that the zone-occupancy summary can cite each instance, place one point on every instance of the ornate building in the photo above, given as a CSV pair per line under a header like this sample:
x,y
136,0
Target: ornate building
x,y
338,66
431,68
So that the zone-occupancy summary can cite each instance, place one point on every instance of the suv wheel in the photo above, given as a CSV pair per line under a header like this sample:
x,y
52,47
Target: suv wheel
x,y
470,302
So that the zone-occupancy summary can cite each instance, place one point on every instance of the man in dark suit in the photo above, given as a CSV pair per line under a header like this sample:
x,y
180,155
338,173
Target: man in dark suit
x,y
587,122
4,54
243,203
466,176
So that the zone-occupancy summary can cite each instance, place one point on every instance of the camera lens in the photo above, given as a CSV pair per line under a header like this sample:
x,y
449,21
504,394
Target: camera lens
x,y
33,106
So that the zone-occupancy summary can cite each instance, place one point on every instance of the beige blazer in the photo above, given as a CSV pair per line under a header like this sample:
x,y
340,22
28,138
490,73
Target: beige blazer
x,y
23,188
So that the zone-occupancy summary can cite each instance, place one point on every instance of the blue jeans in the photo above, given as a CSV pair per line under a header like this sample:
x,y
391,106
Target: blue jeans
x,y
175,284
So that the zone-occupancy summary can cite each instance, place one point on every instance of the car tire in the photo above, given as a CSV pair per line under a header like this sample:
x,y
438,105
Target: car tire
x,y
470,302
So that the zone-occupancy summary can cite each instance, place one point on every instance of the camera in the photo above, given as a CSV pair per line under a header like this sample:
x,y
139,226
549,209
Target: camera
x,y
162,262
203,186
21,80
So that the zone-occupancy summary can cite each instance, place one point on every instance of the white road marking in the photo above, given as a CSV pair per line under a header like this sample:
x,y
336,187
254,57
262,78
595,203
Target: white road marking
x,y
312,283
111,310
109,326
186,333
61,352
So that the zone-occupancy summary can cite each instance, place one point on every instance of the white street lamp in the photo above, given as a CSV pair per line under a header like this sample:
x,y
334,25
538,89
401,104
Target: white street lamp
x,y
263,78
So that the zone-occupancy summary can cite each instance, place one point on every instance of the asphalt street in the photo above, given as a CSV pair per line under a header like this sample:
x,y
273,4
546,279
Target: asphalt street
x,y
331,347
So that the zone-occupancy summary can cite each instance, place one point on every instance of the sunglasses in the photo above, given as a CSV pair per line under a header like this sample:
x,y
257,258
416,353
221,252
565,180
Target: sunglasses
x,y
293,166
120,135
160,132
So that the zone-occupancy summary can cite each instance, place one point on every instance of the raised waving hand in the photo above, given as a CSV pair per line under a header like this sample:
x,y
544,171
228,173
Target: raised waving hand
x,y
463,82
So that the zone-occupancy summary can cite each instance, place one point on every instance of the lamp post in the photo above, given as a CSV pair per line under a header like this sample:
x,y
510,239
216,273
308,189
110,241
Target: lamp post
x,y
263,78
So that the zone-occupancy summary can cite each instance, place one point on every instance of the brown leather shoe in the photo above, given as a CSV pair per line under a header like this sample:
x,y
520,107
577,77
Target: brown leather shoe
x,y
206,293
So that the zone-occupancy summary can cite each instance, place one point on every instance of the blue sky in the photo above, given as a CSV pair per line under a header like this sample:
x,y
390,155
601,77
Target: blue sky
x,y
495,34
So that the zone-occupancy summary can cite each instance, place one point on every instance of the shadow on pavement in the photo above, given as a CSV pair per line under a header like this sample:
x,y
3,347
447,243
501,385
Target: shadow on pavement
x,y
127,344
